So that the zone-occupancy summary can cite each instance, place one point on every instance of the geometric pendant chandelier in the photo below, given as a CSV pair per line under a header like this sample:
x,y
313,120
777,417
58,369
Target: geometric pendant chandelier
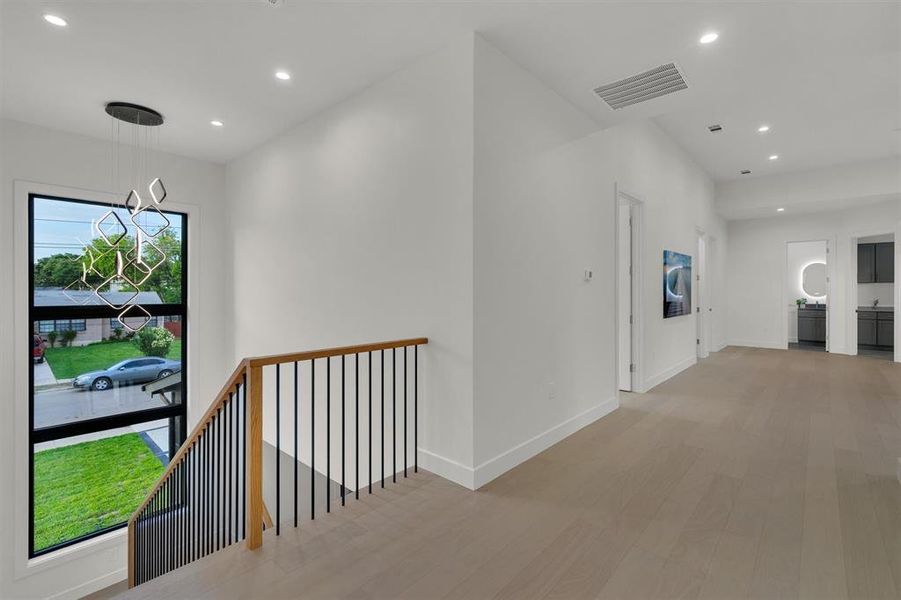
x,y
132,265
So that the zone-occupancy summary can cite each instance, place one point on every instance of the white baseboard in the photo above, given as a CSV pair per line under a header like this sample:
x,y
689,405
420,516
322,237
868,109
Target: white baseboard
x,y
652,382
500,464
94,585
757,344
447,468
717,346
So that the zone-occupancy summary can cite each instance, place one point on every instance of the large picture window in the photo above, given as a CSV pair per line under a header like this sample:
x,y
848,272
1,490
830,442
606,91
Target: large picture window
x,y
107,404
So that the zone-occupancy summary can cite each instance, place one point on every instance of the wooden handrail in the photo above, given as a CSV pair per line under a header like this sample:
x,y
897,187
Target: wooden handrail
x,y
273,359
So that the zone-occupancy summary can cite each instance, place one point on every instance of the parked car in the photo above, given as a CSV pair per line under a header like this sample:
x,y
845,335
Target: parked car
x,y
37,348
133,370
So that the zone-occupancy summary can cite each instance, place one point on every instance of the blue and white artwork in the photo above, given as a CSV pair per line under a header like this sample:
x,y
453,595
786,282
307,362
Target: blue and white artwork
x,y
676,284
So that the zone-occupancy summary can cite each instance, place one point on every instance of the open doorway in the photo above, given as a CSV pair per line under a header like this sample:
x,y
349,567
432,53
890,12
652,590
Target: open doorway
x,y
873,295
628,300
807,295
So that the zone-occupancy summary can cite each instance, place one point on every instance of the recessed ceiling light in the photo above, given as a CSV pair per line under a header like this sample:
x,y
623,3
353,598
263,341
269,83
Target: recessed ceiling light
x,y
216,123
763,128
55,20
283,75
780,210
707,38
774,156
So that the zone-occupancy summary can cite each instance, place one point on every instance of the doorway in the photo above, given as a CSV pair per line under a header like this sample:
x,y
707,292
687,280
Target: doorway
x,y
807,295
628,298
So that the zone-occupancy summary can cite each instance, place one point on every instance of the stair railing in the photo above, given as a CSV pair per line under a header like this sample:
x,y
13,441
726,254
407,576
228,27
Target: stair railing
x,y
211,494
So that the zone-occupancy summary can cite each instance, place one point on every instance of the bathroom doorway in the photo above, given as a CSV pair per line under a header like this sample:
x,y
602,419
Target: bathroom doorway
x,y
873,290
807,295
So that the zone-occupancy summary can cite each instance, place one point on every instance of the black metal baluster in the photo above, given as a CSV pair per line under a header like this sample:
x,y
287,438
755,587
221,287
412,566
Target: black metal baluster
x,y
278,448
416,409
370,421
296,455
169,522
177,513
237,483
232,471
343,385
405,411
328,434
357,426
394,415
382,413
193,485
244,457
206,489
313,439
151,538
218,498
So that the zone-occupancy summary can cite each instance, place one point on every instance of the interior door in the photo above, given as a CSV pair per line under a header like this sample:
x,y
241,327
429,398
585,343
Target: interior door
x,y
624,304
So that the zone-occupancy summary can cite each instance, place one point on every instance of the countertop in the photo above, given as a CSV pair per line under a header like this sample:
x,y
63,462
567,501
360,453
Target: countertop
x,y
876,308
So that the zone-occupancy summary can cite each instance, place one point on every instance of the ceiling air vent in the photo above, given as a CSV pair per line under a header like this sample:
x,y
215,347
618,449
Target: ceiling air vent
x,y
657,82
714,128
745,172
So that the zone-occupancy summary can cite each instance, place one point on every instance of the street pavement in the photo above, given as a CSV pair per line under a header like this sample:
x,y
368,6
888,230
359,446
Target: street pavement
x,y
65,405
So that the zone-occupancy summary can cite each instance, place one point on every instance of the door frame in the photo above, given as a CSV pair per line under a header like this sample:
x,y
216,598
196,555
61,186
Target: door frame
x,y
702,346
831,243
627,200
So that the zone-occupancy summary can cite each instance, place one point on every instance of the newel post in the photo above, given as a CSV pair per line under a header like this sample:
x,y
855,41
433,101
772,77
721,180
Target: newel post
x,y
254,457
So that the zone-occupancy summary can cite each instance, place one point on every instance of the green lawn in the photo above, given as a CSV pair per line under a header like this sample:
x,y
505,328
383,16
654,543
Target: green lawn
x,y
70,362
89,486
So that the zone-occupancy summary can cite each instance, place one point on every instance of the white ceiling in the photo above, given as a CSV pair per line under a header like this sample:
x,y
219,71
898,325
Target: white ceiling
x,y
826,77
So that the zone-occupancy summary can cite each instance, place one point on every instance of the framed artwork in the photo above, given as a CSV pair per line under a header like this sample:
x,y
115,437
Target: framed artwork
x,y
676,284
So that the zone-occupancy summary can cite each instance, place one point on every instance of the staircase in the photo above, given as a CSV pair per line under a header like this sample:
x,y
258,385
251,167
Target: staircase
x,y
353,406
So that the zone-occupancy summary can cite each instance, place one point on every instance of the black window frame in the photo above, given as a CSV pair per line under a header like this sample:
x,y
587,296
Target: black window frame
x,y
176,414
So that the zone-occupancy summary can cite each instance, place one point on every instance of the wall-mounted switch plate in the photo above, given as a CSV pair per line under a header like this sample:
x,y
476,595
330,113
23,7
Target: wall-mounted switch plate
x,y
588,274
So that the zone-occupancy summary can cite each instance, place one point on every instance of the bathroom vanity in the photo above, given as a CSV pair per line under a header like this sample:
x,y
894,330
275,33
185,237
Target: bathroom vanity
x,y
812,324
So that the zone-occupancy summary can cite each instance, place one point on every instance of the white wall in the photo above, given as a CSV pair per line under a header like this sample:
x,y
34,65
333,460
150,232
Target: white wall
x,y
356,226
544,211
756,274
798,256
45,156
543,357
883,292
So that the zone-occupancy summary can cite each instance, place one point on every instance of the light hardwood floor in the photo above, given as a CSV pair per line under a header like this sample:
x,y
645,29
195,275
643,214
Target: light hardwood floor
x,y
756,474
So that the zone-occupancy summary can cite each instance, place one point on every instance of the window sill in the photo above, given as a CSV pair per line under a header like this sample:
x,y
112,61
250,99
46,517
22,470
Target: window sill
x,y
87,548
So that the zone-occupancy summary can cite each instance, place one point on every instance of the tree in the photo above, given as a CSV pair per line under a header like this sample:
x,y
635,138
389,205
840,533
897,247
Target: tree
x,y
57,271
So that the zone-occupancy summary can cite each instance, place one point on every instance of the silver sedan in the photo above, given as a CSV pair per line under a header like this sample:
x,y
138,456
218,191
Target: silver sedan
x,y
133,370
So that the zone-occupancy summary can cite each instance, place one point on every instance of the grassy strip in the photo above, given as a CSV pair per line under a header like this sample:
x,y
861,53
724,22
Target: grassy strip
x,y
86,487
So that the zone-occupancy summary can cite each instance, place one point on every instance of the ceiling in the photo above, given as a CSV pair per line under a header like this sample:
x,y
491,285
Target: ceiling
x,y
826,77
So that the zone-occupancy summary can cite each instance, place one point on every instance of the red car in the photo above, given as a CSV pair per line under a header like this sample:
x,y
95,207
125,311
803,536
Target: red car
x,y
37,349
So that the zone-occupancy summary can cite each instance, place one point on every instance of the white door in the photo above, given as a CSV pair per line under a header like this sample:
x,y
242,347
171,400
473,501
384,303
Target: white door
x,y
624,304
698,298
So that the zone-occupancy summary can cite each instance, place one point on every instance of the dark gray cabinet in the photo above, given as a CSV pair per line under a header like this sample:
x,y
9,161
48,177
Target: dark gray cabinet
x,y
866,329
876,263
876,328
885,262
866,263
812,325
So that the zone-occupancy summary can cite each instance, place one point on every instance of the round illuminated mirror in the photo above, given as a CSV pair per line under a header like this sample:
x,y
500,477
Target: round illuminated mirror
x,y
813,279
